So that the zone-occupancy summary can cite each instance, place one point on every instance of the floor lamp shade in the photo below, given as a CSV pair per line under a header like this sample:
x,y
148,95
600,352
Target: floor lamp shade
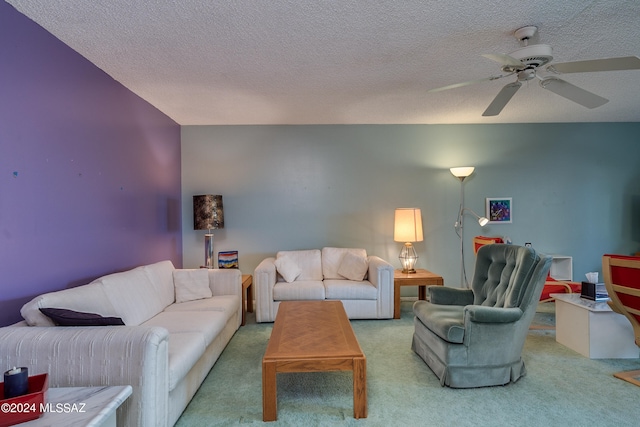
x,y
408,228
208,214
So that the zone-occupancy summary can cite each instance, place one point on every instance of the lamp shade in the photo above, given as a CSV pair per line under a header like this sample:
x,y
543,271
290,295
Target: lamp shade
x,y
408,225
208,213
462,172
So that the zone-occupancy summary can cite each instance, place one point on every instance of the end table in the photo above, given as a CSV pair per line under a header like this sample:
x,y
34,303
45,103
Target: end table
x,y
421,278
247,296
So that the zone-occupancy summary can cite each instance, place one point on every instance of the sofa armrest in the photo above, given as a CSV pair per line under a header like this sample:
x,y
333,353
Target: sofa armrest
x,y
225,282
264,279
98,356
381,276
380,272
446,295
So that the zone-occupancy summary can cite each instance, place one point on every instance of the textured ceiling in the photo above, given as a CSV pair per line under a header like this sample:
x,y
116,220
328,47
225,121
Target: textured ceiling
x,y
345,61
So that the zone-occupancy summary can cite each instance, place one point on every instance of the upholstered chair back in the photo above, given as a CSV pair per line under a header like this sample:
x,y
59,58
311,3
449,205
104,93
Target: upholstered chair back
x,y
502,273
622,280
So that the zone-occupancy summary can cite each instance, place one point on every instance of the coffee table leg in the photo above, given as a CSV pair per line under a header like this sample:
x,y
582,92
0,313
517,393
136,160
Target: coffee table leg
x,y
269,392
359,387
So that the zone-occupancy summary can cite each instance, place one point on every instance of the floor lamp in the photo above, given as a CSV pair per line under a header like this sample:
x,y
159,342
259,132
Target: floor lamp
x,y
208,214
461,173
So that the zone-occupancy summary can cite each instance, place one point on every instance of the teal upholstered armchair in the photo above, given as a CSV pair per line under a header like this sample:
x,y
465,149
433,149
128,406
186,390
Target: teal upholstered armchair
x,y
474,337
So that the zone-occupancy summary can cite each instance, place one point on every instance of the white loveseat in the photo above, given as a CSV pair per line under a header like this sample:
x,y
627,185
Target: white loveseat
x,y
164,350
363,283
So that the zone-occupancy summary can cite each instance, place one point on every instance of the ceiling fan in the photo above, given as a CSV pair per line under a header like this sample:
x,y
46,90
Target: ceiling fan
x,y
525,63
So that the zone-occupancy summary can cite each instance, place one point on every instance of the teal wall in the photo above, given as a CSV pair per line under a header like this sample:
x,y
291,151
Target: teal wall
x,y
574,187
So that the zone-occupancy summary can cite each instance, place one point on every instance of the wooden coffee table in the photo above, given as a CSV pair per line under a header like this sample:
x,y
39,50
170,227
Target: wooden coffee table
x,y
312,336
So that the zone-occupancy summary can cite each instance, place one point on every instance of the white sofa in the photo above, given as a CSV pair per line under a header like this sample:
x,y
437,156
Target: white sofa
x,y
363,283
164,350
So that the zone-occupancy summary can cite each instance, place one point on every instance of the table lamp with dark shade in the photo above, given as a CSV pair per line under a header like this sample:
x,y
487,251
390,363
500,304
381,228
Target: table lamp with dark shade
x,y
208,214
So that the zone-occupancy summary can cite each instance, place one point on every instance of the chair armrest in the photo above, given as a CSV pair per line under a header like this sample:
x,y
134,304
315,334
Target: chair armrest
x,y
484,314
264,279
225,282
98,356
445,295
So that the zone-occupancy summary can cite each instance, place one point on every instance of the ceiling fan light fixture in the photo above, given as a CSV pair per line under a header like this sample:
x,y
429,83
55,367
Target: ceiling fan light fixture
x,y
524,62
525,34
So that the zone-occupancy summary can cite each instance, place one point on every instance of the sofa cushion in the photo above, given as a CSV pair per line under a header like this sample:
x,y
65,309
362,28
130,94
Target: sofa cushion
x,y
353,267
299,290
309,261
332,258
191,284
287,268
207,323
65,317
349,289
230,304
185,349
161,276
88,298
132,296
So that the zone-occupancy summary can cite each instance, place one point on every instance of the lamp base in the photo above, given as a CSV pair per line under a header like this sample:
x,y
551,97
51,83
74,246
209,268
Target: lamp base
x,y
408,258
208,251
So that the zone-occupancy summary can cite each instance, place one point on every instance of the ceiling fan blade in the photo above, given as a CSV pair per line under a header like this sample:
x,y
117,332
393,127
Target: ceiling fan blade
x,y
505,60
610,64
470,82
503,97
573,93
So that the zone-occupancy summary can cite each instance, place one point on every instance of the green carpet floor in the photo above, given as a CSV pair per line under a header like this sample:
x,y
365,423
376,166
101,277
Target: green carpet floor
x,y
561,388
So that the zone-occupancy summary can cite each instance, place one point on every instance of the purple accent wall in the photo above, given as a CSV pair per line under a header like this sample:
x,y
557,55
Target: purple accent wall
x,y
89,172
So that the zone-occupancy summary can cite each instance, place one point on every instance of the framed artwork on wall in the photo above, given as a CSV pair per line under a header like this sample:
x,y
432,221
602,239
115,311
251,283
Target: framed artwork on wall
x,y
499,210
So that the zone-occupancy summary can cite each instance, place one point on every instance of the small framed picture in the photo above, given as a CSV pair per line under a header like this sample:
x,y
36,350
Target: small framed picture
x,y
499,210
228,259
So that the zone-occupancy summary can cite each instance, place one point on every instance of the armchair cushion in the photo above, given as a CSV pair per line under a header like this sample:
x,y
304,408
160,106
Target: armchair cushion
x,y
287,268
502,275
445,321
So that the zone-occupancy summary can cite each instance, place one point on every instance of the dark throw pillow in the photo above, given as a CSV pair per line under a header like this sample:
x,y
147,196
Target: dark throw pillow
x,y
64,317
